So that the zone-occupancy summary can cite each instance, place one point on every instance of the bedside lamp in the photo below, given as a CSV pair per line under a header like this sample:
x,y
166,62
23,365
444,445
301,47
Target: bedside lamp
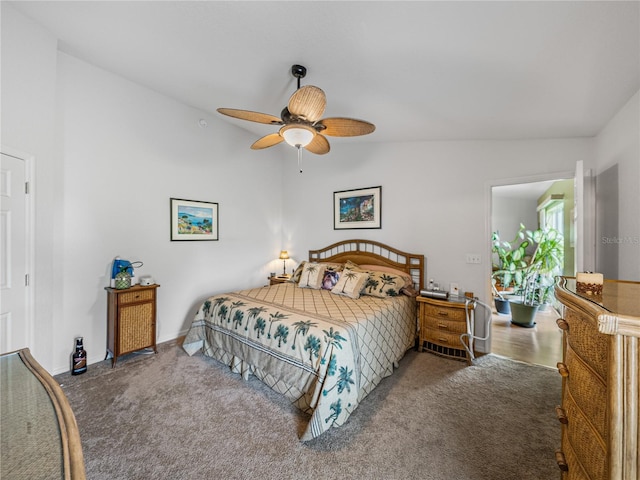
x,y
284,256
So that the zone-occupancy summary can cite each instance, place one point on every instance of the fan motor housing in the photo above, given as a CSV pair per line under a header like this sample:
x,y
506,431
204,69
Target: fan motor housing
x,y
298,71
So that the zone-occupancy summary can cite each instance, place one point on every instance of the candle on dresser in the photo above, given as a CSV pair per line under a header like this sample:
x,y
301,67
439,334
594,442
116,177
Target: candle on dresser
x,y
589,283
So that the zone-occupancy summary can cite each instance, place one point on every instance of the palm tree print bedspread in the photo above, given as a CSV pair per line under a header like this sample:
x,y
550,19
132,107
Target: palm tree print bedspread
x,y
323,351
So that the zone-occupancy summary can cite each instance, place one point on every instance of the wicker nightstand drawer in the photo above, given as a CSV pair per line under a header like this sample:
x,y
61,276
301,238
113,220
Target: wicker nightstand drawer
x,y
445,313
446,326
279,279
444,338
135,296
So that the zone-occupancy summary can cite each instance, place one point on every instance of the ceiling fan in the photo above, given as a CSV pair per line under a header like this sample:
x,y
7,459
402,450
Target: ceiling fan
x,y
302,125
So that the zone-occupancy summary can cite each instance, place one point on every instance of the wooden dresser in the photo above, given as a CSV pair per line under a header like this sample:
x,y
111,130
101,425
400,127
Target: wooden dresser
x,y
600,382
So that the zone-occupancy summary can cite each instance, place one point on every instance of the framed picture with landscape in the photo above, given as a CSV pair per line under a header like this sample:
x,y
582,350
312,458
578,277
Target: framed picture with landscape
x,y
358,208
193,220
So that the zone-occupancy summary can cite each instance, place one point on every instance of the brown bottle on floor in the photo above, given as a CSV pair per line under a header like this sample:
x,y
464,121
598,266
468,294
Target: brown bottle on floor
x,y
79,358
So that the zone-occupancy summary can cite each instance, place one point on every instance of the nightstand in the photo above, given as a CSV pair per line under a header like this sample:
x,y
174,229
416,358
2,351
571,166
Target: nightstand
x,y
278,279
441,324
131,320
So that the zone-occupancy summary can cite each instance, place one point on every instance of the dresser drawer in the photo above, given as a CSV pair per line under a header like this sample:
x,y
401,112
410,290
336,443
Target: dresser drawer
x,y
587,342
588,391
444,325
589,449
136,296
445,313
443,338
575,471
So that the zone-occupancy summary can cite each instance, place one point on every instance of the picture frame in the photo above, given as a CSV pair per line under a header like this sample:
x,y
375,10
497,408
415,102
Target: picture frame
x,y
193,220
357,209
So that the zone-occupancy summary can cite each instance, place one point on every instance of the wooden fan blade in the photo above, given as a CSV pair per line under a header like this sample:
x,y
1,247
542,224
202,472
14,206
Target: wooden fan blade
x,y
267,141
251,116
308,103
345,127
319,145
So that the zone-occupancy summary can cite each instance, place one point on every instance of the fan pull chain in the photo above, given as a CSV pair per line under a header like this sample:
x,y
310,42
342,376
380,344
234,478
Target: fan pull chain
x,y
299,157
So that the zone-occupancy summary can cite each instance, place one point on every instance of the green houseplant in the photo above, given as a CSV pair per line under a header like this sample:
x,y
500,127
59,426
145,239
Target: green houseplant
x,y
508,262
537,274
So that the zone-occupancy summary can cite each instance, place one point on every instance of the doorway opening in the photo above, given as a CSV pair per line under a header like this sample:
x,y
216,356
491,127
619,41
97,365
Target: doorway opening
x,y
543,203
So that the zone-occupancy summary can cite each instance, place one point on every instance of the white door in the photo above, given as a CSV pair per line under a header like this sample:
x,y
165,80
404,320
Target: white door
x,y
584,219
15,328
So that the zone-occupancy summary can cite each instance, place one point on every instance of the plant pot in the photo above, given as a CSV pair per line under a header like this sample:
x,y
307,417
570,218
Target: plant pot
x,y
502,305
523,315
544,307
506,291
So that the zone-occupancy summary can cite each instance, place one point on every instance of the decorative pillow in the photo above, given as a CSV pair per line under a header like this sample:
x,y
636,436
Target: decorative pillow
x,y
350,283
312,275
296,274
336,267
408,281
383,284
330,279
351,265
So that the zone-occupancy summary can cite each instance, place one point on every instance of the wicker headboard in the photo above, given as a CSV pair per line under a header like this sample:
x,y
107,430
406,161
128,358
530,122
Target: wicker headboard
x,y
373,253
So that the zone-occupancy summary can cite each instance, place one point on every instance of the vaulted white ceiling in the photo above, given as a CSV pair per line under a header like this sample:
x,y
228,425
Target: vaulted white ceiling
x,y
418,70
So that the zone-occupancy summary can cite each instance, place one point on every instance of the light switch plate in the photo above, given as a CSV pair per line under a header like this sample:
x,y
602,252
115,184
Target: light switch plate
x,y
474,258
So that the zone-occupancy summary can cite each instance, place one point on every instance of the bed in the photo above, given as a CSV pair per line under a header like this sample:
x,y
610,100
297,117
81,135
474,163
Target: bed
x,y
326,338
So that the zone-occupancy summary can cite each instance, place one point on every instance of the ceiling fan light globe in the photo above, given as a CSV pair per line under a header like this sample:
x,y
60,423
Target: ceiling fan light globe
x,y
297,135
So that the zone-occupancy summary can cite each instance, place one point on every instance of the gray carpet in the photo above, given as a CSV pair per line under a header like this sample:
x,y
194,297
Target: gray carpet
x,y
171,416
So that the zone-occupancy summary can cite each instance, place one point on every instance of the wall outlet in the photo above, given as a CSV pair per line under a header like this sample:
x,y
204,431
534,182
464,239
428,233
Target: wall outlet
x,y
474,258
453,288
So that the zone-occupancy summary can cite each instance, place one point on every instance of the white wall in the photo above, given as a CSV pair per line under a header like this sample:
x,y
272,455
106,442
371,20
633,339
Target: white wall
x,y
28,125
508,212
109,155
618,147
126,150
435,196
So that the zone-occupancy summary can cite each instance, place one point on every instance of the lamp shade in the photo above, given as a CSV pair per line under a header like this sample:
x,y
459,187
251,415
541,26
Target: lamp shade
x,y
284,255
297,135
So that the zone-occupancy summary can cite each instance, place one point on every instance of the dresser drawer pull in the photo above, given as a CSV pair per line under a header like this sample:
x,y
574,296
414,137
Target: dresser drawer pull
x,y
443,326
562,324
562,417
443,340
561,461
562,369
443,314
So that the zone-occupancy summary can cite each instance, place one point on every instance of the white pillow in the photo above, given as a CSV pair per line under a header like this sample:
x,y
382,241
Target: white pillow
x,y
312,275
350,283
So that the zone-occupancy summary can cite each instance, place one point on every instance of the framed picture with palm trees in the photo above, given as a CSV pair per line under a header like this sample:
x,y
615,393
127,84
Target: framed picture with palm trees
x,y
359,208
193,220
